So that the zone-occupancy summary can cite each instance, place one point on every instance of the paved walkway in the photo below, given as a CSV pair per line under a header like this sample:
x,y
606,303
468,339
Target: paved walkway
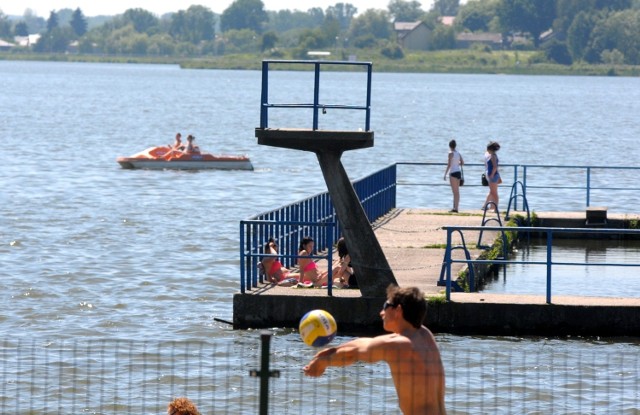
x,y
413,241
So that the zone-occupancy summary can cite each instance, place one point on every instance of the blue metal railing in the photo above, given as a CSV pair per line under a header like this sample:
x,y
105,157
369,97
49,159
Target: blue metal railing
x,y
316,105
314,217
377,193
547,178
549,232
252,238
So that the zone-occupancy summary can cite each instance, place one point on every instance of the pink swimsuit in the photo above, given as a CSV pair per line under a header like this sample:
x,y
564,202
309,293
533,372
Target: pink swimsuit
x,y
276,267
311,265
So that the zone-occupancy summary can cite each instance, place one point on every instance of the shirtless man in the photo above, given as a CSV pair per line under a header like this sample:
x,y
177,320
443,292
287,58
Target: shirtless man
x,y
411,353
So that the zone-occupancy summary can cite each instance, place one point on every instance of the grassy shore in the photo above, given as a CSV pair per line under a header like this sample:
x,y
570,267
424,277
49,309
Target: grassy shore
x,y
451,61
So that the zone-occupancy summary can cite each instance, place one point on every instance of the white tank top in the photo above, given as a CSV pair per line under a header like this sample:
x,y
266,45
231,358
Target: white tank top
x,y
455,162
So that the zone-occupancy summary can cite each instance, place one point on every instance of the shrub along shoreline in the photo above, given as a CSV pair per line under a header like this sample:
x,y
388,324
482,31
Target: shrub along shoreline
x,y
466,61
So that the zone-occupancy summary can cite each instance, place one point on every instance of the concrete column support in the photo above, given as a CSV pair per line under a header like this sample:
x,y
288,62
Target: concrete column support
x,y
369,262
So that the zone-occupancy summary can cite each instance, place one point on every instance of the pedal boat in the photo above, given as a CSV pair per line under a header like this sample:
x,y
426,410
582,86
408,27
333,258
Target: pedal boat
x,y
160,158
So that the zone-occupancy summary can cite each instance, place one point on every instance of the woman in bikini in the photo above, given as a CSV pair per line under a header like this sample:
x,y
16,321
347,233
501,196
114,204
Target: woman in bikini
x,y
493,176
308,268
273,269
343,275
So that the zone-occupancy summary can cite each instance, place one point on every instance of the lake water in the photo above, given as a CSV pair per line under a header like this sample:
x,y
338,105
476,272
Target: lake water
x,y
597,279
111,279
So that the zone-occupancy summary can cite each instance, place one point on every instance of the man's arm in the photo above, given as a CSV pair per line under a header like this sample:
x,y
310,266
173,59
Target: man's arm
x,y
362,349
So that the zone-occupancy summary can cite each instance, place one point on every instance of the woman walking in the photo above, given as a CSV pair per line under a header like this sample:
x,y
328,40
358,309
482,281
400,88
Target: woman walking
x,y
454,168
493,175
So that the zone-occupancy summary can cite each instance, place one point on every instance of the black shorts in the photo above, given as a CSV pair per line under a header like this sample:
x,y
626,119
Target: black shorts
x,y
457,175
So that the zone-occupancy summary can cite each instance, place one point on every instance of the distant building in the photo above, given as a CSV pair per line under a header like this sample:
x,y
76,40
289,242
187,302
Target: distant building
x,y
447,20
412,35
465,40
26,41
5,46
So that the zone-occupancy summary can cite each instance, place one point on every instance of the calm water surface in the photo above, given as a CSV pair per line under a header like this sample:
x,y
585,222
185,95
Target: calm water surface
x,y
597,279
94,253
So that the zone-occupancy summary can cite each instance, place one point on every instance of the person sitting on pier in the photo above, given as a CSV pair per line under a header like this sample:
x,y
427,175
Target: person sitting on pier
x,y
275,272
308,268
343,275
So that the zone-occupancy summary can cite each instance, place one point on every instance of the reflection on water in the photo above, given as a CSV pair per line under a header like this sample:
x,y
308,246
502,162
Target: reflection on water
x,y
619,279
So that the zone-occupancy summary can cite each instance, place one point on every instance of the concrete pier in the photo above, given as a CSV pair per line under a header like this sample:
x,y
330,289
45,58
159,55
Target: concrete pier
x,y
413,242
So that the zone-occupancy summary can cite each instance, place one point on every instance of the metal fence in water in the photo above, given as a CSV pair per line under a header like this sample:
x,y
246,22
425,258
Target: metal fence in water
x,y
141,377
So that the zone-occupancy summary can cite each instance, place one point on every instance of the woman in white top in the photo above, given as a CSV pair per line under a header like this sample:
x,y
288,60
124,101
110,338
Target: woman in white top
x,y
454,168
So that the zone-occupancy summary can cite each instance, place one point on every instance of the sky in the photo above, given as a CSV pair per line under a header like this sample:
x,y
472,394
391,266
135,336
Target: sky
x,y
97,7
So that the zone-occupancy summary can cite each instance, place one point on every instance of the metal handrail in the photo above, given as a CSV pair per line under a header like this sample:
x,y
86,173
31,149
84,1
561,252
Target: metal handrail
x,y
523,173
549,237
250,254
316,105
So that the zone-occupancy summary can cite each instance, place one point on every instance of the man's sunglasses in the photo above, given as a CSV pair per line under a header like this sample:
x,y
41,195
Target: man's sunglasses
x,y
388,304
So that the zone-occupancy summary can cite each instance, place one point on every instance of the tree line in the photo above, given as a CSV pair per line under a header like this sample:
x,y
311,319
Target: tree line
x,y
592,31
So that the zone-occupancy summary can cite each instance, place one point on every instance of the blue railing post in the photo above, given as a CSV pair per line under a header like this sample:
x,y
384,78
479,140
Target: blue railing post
x,y
515,180
330,259
524,180
588,185
264,98
316,95
549,264
242,258
367,124
447,259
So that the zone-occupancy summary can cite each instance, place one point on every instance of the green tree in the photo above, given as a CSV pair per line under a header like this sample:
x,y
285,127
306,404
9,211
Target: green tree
x,y
477,15
244,14
284,20
243,40
373,23
143,21
621,31
78,22
57,40
5,26
612,57
405,11
568,10
195,25
579,33
532,16
392,51
269,40
161,45
330,28
52,21
35,23
310,39
343,13
21,29
446,7
317,16
443,38
558,52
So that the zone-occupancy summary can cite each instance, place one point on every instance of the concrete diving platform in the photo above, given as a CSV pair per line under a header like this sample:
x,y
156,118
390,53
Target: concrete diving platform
x,y
413,243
